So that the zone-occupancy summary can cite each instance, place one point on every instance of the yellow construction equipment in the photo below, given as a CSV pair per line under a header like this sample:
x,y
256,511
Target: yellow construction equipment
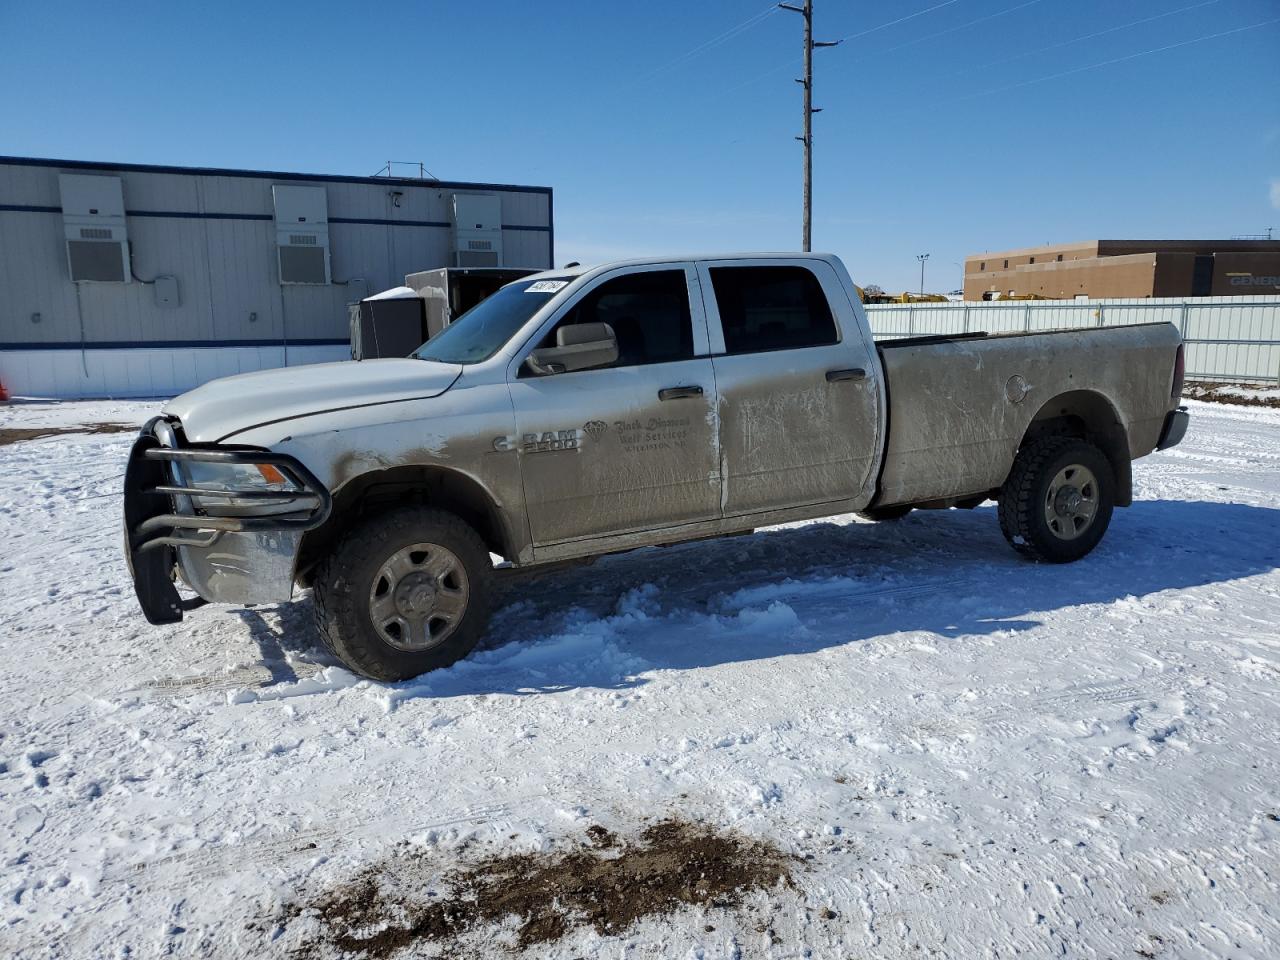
x,y
904,297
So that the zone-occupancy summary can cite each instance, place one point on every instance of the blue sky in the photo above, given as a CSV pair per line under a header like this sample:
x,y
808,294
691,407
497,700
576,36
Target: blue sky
x,y
976,125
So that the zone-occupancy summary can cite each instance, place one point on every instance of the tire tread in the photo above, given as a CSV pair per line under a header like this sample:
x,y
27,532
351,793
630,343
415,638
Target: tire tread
x,y
1019,504
339,609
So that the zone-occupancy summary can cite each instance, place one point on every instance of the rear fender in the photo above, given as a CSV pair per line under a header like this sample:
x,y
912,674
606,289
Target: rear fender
x,y
1090,416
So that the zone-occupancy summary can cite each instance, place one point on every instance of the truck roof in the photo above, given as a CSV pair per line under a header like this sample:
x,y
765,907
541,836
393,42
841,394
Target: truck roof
x,y
579,269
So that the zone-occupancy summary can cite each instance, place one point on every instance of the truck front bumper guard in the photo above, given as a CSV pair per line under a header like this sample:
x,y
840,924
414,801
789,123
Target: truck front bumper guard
x,y
160,515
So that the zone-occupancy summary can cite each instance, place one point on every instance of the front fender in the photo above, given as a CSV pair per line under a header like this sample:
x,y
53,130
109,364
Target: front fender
x,y
465,432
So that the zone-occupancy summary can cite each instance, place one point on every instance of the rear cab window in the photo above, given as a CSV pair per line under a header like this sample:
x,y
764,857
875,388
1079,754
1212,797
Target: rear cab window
x,y
772,308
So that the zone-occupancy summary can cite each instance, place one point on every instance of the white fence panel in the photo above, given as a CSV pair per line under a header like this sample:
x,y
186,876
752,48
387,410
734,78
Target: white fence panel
x,y
1228,338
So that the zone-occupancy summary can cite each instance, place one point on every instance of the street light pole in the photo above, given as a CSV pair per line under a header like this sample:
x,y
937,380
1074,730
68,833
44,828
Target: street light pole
x,y
922,257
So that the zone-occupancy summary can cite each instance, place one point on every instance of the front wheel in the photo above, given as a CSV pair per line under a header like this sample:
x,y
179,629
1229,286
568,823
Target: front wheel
x,y
1058,500
403,593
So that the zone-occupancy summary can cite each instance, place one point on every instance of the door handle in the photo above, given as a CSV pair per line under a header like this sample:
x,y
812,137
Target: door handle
x,y
675,393
856,373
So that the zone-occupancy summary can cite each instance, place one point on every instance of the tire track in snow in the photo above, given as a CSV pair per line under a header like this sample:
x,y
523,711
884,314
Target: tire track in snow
x,y
1119,691
994,720
256,676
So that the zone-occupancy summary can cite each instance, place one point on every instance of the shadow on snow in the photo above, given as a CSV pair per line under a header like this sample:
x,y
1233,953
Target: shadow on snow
x,y
796,590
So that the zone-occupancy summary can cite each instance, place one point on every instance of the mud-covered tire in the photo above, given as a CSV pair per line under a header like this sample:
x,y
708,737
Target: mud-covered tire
x,y
880,514
345,582
1029,516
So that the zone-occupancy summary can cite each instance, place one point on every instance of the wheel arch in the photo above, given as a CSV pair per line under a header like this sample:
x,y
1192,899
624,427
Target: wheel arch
x,y
379,490
1090,416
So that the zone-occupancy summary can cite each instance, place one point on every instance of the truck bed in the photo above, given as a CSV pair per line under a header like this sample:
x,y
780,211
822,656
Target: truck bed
x,y
956,414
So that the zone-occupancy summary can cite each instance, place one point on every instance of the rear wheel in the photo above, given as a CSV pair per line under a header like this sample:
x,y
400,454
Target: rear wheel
x,y
403,593
1058,500
878,514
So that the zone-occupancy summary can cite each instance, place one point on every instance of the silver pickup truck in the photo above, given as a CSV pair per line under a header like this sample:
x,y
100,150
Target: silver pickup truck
x,y
589,410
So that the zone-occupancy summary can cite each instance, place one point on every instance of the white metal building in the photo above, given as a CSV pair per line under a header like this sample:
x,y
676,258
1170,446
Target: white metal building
x,y
133,280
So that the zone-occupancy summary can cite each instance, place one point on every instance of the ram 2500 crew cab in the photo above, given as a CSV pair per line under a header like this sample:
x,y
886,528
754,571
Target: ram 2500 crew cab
x,y
584,411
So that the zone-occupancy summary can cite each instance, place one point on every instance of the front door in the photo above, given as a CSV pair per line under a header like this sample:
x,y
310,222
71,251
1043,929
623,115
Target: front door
x,y
633,445
799,404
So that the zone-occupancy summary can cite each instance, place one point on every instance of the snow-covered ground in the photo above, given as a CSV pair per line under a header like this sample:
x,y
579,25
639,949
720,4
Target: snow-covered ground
x,y
979,757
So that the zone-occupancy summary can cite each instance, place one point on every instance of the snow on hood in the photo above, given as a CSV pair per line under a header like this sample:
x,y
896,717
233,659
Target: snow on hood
x,y
220,408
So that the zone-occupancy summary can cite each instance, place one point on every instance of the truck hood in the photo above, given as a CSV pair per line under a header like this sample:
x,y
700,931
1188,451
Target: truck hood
x,y
220,408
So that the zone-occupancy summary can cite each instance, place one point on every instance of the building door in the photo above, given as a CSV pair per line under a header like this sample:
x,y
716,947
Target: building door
x,y
630,446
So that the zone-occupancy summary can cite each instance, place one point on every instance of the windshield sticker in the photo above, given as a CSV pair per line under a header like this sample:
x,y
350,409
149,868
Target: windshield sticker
x,y
547,286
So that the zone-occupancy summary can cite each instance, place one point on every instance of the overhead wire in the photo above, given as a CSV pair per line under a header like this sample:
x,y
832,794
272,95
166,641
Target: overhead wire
x,y
1081,39
894,23
703,47
1114,60
920,13
964,26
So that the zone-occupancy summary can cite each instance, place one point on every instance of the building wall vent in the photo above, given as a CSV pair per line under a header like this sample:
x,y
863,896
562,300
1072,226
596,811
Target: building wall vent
x,y
302,233
477,230
94,228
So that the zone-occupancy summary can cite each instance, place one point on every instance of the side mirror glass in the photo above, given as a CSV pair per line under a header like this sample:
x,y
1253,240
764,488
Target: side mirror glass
x,y
579,346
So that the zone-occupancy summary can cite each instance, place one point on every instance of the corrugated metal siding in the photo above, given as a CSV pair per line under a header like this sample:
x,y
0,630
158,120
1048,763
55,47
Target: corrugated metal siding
x,y
226,267
215,232
139,372
1228,338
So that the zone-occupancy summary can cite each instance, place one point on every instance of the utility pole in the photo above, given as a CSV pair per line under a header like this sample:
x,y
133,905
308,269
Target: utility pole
x,y
809,110
922,257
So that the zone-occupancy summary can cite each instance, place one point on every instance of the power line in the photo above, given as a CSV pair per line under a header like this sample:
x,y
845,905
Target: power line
x,y
982,66
706,45
1115,60
894,23
1081,39
961,26
964,26
938,6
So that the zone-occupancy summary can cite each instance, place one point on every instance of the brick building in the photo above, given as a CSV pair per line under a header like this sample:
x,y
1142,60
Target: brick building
x,y
1127,269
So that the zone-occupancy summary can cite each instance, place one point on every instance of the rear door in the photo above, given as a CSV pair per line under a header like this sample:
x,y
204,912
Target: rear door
x,y
631,446
799,412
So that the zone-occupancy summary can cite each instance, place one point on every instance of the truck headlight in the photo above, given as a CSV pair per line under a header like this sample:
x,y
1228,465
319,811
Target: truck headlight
x,y
246,479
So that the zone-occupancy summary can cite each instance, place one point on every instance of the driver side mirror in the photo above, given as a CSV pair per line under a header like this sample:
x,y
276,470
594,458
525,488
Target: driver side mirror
x,y
579,346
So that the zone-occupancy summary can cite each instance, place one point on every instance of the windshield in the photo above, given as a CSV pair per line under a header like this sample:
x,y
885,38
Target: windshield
x,y
481,332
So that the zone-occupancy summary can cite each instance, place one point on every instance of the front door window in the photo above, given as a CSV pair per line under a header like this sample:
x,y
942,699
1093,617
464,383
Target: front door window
x,y
628,446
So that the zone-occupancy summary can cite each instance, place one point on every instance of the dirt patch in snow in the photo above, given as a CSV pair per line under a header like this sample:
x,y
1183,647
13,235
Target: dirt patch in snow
x,y
10,435
1240,394
607,884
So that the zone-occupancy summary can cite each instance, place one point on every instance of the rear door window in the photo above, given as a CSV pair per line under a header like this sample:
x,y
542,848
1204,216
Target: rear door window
x,y
772,308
